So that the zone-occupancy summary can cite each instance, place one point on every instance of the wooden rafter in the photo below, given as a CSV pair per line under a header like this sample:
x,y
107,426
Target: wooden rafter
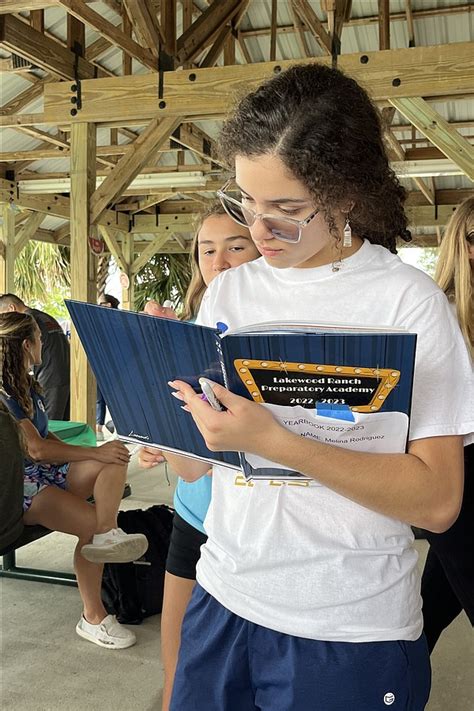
x,y
168,24
27,231
114,247
90,17
145,146
204,30
432,125
145,23
384,24
56,205
154,247
313,23
300,32
410,23
18,37
273,33
150,201
400,155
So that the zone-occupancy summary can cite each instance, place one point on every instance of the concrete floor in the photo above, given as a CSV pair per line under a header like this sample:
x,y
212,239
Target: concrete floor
x,y
45,666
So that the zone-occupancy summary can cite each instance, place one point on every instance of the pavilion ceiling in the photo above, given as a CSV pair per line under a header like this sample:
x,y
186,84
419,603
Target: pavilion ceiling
x,y
156,78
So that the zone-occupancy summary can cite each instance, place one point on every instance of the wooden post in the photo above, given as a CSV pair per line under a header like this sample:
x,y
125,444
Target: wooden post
x,y
83,264
7,249
128,296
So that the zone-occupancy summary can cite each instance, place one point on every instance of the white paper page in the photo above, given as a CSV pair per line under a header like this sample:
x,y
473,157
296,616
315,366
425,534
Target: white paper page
x,y
383,432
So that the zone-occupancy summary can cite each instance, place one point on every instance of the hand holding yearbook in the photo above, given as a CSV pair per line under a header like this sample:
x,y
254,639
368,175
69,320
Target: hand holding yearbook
x,y
341,385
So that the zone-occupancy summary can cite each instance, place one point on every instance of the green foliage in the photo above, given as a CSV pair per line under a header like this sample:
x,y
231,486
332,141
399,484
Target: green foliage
x,y
165,276
428,259
42,277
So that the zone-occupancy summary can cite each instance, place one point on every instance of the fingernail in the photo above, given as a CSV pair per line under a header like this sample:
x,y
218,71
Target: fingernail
x,y
185,407
171,383
178,396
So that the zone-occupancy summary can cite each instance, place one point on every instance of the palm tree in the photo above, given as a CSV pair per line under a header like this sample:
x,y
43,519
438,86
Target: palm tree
x,y
42,276
164,277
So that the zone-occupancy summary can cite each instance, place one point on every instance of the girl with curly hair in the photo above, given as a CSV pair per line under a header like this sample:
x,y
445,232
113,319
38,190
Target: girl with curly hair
x,y
59,477
308,596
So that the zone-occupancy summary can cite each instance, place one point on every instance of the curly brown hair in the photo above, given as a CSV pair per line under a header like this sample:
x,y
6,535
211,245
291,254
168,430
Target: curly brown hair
x,y
15,380
327,131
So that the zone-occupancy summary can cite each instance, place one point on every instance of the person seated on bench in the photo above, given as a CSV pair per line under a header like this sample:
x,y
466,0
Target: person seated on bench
x,y
11,513
59,477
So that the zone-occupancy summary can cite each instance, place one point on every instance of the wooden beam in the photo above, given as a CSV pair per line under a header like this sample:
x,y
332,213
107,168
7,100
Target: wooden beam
x,y
79,9
143,224
37,20
419,71
83,265
300,35
76,35
273,33
432,125
410,23
313,23
429,215
143,18
59,206
243,47
128,292
168,26
205,29
150,201
144,148
7,249
27,231
20,38
148,253
384,24
114,247
371,19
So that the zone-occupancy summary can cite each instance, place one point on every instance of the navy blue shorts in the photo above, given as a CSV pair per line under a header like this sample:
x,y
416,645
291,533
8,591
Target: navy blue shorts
x,y
229,664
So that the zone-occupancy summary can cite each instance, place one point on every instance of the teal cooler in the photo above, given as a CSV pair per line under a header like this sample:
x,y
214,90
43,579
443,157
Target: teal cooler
x,y
73,432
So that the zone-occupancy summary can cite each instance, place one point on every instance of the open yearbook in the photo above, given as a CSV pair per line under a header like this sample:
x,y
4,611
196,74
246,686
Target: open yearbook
x,y
338,384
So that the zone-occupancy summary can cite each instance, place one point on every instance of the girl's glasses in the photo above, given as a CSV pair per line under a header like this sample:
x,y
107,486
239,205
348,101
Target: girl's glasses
x,y
285,229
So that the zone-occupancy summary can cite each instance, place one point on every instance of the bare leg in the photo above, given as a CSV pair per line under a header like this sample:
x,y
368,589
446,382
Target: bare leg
x,y
106,482
63,511
177,595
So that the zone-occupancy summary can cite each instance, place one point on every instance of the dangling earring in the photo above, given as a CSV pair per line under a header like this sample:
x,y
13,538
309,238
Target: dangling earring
x,y
347,241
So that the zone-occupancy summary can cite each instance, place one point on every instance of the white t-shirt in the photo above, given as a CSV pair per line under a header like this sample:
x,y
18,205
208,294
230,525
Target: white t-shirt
x,y
297,557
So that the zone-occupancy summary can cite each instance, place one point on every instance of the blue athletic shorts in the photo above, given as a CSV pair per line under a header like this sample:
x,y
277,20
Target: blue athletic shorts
x,y
229,664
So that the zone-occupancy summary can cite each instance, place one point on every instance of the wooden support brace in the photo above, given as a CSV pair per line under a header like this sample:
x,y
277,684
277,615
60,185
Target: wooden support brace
x,y
7,249
432,125
313,23
115,249
148,253
27,231
144,148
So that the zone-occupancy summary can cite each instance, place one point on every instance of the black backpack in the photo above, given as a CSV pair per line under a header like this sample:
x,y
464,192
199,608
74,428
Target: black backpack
x,y
133,591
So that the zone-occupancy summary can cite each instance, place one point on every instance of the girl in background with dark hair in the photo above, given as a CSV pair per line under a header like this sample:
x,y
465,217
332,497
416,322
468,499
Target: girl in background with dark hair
x,y
109,302
447,585
218,245
59,477
308,596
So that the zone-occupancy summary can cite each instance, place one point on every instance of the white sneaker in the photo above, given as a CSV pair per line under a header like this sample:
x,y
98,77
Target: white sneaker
x,y
108,633
115,546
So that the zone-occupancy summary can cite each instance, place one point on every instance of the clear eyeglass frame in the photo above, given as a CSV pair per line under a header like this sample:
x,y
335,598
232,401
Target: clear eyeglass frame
x,y
273,223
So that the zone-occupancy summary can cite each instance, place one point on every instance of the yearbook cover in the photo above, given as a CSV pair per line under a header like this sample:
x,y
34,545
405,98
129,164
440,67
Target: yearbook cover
x,y
338,384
